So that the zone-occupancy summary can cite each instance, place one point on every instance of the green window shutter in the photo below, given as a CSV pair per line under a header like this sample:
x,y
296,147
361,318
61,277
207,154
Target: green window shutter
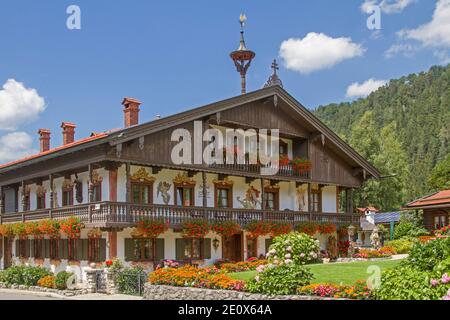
x,y
206,248
46,248
159,249
17,246
129,255
84,249
79,249
32,244
268,244
63,248
27,248
179,249
102,250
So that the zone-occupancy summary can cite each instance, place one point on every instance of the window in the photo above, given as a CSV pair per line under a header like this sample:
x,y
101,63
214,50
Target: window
x,y
271,198
142,193
316,197
224,197
67,197
38,246
27,202
94,250
22,249
251,248
283,148
72,250
193,249
184,196
144,249
97,192
40,201
54,249
439,222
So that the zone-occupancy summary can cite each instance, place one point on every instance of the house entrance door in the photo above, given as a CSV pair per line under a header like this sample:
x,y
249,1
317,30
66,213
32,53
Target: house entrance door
x,y
232,247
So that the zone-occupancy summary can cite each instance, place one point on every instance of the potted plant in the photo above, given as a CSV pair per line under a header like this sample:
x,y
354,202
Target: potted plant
x,y
150,228
278,228
50,228
71,227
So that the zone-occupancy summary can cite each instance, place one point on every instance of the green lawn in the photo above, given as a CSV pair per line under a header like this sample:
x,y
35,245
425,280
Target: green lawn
x,y
338,273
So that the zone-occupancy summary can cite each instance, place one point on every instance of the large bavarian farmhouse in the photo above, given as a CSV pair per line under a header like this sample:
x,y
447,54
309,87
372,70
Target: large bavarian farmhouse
x,y
112,180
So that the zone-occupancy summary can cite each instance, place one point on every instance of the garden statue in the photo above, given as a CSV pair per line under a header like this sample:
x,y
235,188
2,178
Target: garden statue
x,y
332,247
375,239
351,234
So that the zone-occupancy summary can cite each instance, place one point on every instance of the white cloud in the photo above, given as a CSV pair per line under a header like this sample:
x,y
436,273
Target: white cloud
x,y
15,145
18,105
317,51
435,33
364,89
405,48
386,6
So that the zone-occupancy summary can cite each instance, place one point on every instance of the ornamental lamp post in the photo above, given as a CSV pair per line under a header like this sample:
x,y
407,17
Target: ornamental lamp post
x,y
242,57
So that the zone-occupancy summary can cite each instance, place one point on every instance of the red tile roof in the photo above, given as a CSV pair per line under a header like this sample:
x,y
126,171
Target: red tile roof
x,y
367,208
67,146
438,198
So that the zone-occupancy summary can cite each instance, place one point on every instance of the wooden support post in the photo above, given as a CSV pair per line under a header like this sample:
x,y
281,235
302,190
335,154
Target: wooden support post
x,y
2,204
349,200
310,201
128,182
204,190
263,200
90,192
52,200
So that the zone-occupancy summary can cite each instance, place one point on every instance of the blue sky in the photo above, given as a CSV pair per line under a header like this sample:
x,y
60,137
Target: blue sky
x,y
174,55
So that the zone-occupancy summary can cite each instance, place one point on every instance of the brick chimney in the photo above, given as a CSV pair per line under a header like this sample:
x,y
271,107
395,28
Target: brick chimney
x,y
131,111
68,132
44,139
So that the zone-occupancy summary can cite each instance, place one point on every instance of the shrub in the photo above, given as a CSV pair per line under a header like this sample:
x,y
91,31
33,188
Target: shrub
x,y
283,279
425,256
131,280
408,229
401,246
61,279
296,247
406,283
47,282
21,275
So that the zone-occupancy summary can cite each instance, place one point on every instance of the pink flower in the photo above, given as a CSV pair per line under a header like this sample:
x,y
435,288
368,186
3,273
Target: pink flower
x,y
434,282
445,278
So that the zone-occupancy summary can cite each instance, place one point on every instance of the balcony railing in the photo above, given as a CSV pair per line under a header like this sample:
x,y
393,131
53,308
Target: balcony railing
x,y
120,214
282,170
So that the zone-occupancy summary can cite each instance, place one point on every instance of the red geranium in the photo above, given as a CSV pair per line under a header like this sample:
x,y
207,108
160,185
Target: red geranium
x,y
195,229
327,228
71,227
278,228
226,228
258,228
309,227
151,228
32,229
49,228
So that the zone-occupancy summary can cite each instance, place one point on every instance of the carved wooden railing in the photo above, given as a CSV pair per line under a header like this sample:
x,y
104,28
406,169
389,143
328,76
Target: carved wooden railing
x,y
123,214
282,170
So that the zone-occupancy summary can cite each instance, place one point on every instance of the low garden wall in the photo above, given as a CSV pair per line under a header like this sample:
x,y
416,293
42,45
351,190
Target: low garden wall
x,y
158,292
67,293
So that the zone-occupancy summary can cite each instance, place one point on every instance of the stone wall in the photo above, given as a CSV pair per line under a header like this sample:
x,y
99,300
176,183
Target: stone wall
x,y
156,292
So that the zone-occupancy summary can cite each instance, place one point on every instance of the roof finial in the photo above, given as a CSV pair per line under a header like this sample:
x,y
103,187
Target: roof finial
x,y
274,80
242,57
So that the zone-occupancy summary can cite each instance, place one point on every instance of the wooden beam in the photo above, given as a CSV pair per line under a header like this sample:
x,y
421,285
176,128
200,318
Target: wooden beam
x,y
249,180
263,196
222,176
128,181
191,174
204,182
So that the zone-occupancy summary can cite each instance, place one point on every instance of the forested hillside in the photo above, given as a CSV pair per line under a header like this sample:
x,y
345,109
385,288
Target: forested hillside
x,y
404,129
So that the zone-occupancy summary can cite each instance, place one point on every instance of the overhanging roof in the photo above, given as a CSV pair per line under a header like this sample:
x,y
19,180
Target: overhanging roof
x,y
127,134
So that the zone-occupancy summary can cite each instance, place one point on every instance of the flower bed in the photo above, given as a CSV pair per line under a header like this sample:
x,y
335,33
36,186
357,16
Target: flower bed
x,y
373,254
358,291
241,266
189,276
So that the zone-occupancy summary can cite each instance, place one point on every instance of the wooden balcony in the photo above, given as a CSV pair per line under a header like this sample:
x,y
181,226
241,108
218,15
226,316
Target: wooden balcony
x,y
120,215
283,171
